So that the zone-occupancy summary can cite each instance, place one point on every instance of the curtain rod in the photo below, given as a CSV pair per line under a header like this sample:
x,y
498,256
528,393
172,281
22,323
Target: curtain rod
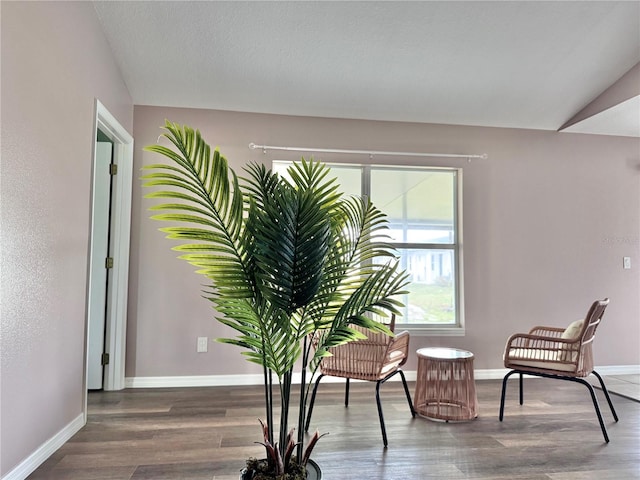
x,y
371,153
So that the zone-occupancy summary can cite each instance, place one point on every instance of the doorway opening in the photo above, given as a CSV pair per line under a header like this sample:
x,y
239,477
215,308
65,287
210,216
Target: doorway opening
x,y
104,170
108,254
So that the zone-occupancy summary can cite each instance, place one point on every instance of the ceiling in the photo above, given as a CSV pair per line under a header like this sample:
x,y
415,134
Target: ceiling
x,y
503,64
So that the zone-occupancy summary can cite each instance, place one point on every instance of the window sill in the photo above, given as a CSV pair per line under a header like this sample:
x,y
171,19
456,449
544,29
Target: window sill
x,y
429,331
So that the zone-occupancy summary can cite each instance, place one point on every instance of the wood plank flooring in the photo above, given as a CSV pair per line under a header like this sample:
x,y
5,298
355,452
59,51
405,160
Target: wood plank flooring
x,y
207,433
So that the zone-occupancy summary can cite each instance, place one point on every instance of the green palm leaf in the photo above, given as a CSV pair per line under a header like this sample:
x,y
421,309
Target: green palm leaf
x,y
210,193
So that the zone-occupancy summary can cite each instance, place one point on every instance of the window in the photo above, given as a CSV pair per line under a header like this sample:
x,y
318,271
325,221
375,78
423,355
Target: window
x,y
423,208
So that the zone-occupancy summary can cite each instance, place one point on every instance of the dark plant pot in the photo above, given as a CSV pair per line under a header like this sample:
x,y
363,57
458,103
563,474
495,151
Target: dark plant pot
x,y
313,472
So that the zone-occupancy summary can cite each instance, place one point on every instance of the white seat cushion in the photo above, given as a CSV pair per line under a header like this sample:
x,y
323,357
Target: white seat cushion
x,y
532,357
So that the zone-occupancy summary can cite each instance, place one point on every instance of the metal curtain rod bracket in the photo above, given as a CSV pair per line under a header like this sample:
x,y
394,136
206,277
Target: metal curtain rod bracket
x,y
371,153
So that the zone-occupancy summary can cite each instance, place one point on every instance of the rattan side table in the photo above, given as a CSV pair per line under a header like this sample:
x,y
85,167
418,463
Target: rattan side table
x,y
445,385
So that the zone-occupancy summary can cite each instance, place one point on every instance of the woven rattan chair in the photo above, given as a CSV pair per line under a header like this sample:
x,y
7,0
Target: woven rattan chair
x,y
376,359
564,354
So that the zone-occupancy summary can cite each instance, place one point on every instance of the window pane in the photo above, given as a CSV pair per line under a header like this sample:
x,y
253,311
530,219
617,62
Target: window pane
x,y
432,297
420,204
349,178
280,167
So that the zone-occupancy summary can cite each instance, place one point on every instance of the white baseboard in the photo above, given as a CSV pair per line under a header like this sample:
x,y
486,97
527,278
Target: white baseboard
x,y
619,370
193,381
256,379
205,381
48,448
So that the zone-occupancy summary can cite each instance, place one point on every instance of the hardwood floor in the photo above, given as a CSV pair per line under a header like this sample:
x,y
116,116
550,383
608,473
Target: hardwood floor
x,y
207,433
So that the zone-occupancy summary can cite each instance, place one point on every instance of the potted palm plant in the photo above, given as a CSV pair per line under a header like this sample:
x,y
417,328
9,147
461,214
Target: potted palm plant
x,y
287,259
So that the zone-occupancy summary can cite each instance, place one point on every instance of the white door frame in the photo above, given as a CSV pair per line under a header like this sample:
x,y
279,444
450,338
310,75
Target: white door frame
x,y
116,323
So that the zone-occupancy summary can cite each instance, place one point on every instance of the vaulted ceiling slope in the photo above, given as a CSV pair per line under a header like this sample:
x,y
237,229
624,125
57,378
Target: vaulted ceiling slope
x,y
525,64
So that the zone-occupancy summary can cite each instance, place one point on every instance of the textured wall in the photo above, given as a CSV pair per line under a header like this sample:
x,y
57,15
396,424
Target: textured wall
x,y
55,61
547,220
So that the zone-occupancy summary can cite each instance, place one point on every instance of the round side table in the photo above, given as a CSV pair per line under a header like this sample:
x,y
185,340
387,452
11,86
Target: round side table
x,y
445,386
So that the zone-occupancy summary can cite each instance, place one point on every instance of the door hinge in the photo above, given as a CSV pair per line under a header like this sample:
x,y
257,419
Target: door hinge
x,y
105,359
108,262
113,168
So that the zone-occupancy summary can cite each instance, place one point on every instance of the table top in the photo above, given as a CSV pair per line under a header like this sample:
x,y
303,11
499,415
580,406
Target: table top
x,y
444,353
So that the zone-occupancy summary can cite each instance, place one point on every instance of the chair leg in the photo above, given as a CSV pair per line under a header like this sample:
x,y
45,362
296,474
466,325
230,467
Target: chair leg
x,y
313,399
521,390
606,394
379,403
595,404
346,394
406,392
504,391
380,415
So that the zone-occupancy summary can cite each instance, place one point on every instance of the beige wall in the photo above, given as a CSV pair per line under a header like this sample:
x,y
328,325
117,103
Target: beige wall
x,y
547,219
55,61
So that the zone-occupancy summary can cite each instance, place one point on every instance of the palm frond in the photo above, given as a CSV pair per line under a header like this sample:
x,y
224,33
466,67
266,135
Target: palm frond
x,y
353,256
290,219
375,295
211,200
310,175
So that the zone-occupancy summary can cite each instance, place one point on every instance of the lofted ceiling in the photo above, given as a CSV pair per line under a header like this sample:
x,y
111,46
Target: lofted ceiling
x,y
524,64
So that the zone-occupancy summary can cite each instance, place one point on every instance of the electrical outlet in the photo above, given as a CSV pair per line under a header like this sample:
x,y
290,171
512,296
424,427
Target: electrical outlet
x,y
203,343
626,263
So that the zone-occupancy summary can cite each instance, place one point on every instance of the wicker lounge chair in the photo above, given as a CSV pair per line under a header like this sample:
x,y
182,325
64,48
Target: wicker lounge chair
x,y
375,359
561,353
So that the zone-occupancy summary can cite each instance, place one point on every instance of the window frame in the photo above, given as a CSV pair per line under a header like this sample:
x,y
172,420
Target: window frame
x,y
430,329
